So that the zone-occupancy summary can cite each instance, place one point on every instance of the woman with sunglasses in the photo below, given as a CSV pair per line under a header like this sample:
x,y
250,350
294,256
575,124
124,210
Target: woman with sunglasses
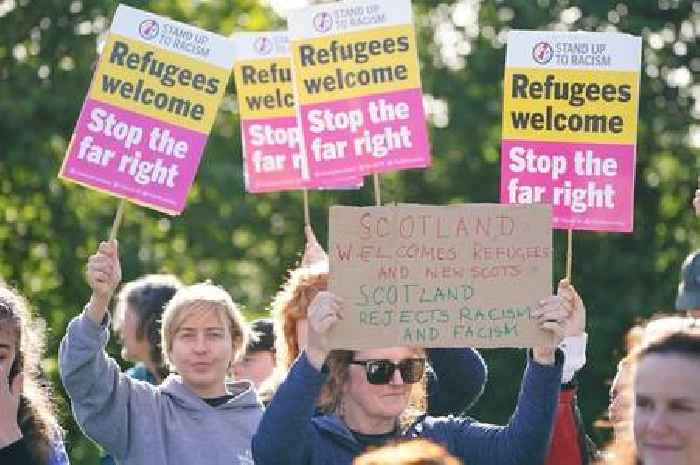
x,y
373,396
454,381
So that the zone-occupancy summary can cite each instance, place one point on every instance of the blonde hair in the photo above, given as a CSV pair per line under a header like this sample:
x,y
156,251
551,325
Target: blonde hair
x,y
36,417
203,296
330,399
417,452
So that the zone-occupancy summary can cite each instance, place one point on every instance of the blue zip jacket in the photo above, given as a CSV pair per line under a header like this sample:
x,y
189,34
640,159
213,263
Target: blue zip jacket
x,y
290,433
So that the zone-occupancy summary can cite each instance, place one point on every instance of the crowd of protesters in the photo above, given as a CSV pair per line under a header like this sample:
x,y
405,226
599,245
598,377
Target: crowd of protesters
x,y
209,388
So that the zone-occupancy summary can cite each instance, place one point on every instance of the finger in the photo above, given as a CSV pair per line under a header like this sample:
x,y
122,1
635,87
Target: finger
x,y
555,328
310,236
555,315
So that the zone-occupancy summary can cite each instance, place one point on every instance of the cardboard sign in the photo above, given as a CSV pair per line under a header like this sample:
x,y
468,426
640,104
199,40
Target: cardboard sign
x,y
263,74
570,103
440,276
357,84
149,110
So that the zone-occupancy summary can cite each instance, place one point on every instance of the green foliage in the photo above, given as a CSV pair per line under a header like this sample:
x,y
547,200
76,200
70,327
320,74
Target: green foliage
x,y
49,228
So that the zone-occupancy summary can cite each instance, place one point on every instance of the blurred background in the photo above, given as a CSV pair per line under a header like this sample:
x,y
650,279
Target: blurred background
x,y
247,242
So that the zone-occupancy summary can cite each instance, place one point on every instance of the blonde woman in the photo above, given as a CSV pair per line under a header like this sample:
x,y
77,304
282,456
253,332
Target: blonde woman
x,y
193,416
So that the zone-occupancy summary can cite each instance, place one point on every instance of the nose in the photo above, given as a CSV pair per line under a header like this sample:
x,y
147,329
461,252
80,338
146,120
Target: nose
x,y
657,422
396,377
200,343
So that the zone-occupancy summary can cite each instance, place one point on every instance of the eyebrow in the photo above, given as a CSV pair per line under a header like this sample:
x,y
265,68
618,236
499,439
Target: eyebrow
x,y
5,346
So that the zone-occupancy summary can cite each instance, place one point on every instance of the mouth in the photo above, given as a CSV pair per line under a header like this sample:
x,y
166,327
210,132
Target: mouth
x,y
662,447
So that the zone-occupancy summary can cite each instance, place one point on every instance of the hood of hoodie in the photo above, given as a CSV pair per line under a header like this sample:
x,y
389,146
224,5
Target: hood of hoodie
x,y
244,395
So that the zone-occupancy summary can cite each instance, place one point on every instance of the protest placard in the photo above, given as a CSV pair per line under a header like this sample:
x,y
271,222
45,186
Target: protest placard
x,y
357,84
152,102
270,135
440,276
570,102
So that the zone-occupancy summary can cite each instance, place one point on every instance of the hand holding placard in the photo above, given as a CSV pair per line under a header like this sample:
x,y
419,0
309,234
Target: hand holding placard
x,y
555,315
324,312
313,252
103,274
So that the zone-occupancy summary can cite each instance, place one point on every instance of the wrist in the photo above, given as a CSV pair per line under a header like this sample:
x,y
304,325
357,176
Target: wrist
x,y
316,357
544,355
97,306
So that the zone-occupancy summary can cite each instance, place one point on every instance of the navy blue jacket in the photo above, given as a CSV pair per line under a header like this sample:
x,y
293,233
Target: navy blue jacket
x,y
290,433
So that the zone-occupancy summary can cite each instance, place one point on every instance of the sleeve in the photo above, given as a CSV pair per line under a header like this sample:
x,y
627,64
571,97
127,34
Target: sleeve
x,y
526,437
457,381
17,452
285,435
101,395
574,348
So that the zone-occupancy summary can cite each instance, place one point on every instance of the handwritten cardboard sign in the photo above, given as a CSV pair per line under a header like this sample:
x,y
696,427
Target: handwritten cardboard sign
x,y
272,159
570,126
357,82
153,100
440,276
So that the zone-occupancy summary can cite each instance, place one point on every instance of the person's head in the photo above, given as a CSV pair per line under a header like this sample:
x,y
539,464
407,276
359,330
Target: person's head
x,y
21,348
259,360
667,399
688,298
139,307
289,311
375,386
203,333
416,452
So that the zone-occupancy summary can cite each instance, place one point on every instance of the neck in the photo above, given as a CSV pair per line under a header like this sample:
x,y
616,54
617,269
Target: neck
x,y
207,392
364,424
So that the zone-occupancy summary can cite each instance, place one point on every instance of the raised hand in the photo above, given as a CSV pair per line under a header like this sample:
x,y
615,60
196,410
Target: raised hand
x,y
313,252
555,314
103,274
323,314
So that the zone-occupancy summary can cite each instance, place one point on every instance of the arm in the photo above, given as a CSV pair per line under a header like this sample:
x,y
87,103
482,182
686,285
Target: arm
x,y
285,434
286,425
458,381
525,439
100,394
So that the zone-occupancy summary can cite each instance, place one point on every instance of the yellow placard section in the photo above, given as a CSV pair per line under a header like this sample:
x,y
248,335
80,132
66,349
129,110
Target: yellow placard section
x,y
570,105
265,88
163,85
356,64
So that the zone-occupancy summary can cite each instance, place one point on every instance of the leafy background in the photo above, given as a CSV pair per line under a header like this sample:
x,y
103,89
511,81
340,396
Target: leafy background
x,y
48,228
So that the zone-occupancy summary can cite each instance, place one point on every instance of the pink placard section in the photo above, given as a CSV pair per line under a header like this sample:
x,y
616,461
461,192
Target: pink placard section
x,y
271,154
371,134
145,160
273,161
590,186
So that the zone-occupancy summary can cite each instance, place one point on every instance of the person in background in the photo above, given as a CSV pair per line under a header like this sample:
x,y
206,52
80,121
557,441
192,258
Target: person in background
x,y
192,417
29,431
258,362
418,452
688,297
139,307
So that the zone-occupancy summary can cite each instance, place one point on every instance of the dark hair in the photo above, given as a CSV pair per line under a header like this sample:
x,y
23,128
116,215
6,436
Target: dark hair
x,y
686,342
147,297
35,416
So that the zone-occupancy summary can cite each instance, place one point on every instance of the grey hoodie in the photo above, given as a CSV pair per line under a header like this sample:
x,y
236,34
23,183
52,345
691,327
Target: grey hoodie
x,y
141,424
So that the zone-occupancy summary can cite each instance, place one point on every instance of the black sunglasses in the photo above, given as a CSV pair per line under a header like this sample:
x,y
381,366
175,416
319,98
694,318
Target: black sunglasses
x,y
382,371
